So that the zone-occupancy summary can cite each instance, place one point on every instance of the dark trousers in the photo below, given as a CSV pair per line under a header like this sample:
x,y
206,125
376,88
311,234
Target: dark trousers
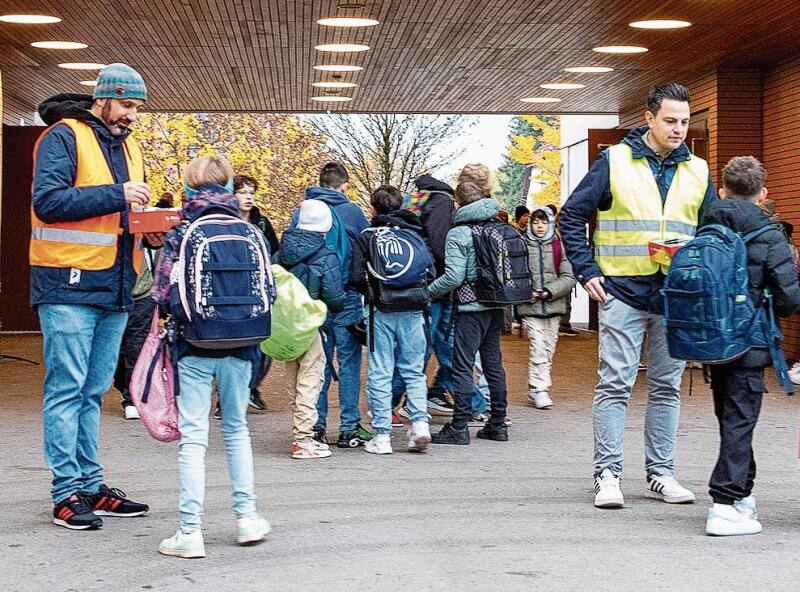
x,y
132,341
564,322
737,402
478,332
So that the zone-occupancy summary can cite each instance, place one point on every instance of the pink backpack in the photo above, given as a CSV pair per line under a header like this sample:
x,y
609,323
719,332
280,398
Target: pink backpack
x,y
152,386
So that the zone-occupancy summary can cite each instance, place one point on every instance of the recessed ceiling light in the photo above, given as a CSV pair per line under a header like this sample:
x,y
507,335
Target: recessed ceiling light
x,y
589,69
341,47
89,82
59,45
334,84
82,66
619,49
562,85
338,68
660,24
540,100
347,22
29,19
332,99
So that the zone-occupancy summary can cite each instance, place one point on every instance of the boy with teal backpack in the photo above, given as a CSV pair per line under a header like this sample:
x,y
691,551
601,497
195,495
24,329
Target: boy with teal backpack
x,y
744,339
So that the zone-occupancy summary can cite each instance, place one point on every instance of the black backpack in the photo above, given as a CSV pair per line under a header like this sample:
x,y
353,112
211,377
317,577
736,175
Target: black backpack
x,y
503,271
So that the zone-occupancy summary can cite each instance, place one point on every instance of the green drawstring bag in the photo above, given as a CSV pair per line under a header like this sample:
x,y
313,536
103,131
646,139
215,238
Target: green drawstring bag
x,y
296,318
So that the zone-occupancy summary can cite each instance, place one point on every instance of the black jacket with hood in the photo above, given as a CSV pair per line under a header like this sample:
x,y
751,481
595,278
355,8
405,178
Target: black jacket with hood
x,y
769,263
258,219
436,217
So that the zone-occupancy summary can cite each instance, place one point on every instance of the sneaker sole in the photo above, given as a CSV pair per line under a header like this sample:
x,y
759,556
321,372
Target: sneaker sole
x,y
182,553
77,527
248,541
440,412
351,444
721,532
609,504
679,499
420,444
320,454
131,515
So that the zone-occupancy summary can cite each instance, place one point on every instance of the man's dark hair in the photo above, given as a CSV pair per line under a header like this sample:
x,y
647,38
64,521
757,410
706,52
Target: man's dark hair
x,y
672,91
386,199
743,177
552,208
240,181
520,211
333,175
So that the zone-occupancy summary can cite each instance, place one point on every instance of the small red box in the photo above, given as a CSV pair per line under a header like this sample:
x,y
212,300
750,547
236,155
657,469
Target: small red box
x,y
662,252
153,220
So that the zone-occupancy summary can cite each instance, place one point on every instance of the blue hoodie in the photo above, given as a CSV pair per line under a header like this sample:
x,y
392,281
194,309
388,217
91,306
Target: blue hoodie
x,y
354,221
594,193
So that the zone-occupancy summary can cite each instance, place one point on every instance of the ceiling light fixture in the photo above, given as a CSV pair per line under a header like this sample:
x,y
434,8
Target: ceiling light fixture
x,y
619,49
562,86
347,22
660,24
332,99
341,47
82,66
29,19
589,69
334,84
89,82
338,68
540,100
59,45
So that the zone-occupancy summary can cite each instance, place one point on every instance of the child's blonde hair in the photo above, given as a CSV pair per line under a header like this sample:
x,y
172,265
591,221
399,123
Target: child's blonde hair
x,y
208,170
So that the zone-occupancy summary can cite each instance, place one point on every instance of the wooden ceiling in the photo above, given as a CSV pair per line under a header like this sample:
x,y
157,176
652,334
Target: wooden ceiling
x,y
463,56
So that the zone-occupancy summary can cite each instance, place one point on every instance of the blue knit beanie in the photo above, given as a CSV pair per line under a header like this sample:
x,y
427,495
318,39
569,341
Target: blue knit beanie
x,y
118,81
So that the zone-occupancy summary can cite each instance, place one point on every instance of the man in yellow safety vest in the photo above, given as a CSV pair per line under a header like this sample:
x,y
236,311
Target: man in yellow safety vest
x,y
88,172
649,187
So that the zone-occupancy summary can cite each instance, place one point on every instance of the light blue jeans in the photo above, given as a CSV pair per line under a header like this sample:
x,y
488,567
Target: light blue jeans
x,y
81,347
194,404
399,344
622,332
348,355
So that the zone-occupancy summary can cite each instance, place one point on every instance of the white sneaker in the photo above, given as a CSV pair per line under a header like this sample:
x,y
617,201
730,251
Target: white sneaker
x,y
380,444
607,492
724,520
747,507
251,530
540,400
188,546
419,436
667,488
310,449
131,412
795,369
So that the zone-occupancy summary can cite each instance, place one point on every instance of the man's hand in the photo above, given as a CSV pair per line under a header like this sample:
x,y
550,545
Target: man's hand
x,y
595,288
136,193
154,239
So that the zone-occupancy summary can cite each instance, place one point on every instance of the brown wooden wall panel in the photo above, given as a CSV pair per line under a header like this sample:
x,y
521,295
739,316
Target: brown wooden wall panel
x,y
781,137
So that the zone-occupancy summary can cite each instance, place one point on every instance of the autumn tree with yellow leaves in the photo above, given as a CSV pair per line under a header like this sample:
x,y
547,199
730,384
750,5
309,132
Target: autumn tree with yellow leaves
x,y
283,153
534,141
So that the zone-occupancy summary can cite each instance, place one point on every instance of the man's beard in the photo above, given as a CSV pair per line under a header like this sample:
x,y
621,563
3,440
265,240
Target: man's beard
x,y
115,127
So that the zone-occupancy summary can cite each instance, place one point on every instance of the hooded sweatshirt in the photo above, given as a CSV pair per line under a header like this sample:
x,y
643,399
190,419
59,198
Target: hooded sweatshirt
x,y
437,216
256,218
304,254
769,262
460,264
558,283
56,200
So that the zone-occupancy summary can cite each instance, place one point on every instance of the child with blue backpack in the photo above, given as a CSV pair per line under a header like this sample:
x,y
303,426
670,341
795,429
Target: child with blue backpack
x,y
738,384
392,265
214,278
304,254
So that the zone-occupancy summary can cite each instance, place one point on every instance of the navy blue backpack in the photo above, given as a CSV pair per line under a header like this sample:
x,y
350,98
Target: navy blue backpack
x,y
401,263
223,288
709,315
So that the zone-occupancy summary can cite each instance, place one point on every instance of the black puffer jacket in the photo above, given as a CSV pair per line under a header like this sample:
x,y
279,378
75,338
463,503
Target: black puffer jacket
x,y
769,260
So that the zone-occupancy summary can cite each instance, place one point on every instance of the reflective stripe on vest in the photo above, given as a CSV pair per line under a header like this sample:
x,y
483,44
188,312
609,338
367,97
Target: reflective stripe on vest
x,y
89,244
638,215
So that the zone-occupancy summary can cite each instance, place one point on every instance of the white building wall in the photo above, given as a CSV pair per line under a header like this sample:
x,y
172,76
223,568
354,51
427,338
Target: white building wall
x,y
575,164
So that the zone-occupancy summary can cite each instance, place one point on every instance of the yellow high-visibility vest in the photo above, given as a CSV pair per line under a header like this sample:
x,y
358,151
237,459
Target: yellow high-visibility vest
x,y
638,216
89,244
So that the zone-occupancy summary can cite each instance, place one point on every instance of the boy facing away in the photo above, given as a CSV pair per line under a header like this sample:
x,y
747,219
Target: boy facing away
x,y
552,282
738,386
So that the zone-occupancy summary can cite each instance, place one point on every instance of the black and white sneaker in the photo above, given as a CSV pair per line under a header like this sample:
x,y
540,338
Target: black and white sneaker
x,y
667,488
256,401
440,406
75,513
112,502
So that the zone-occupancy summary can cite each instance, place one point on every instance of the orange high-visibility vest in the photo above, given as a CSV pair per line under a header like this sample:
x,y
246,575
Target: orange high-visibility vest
x,y
89,244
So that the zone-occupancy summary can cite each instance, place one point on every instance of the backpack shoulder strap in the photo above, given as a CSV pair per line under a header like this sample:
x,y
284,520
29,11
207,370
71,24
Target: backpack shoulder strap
x,y
558,254
756,233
